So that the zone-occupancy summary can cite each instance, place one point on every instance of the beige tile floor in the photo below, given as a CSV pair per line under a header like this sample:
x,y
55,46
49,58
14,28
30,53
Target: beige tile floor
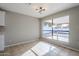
x,y
39,48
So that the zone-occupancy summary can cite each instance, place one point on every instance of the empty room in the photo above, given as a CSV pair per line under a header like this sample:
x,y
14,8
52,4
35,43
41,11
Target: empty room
x,y
39,29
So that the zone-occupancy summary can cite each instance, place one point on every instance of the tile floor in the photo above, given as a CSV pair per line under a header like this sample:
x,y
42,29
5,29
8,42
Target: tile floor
x,y
39,48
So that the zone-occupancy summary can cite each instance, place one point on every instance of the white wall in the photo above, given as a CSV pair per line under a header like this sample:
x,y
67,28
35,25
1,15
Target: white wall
x,y
20,28
74,26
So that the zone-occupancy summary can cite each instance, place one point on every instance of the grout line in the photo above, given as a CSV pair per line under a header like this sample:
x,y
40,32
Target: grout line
x,y
34,52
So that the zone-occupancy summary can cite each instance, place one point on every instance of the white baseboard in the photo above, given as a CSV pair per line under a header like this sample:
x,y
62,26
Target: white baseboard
x,y
21,43
38,39
70,48
63,45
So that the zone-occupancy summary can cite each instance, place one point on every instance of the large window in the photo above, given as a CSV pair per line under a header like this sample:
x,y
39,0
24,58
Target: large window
x,y
56,28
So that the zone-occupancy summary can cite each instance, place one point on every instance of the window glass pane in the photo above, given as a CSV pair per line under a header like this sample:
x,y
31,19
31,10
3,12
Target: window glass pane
x,y
61,29
47,29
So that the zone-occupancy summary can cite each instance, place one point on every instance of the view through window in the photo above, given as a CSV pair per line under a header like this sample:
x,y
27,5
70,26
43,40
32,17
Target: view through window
x,y
57,29
47,29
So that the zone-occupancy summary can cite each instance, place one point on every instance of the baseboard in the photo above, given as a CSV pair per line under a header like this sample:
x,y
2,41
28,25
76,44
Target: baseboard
x,y
21,43
71,48
43,40
63,45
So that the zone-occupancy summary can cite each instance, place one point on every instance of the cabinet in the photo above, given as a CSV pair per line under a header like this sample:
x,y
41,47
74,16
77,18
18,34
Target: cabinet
x,y
2,25
1,42
2,18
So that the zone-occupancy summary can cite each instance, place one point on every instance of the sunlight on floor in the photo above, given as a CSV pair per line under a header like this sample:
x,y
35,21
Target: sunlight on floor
x,y
43,48
40,49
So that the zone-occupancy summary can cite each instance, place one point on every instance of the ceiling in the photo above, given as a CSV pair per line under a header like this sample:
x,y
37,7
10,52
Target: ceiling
x,y
28,9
